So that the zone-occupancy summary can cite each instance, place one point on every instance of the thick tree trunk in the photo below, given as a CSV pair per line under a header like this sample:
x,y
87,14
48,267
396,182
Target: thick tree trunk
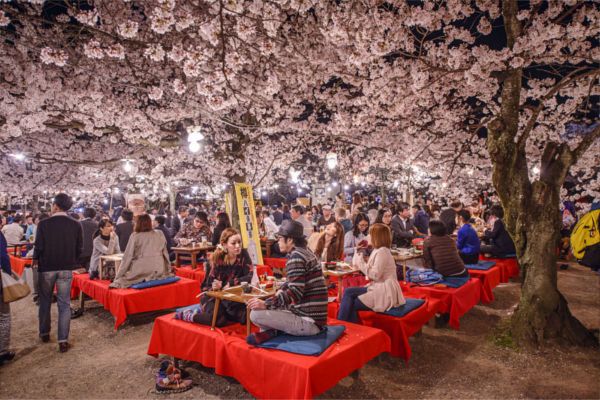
x,y
543,315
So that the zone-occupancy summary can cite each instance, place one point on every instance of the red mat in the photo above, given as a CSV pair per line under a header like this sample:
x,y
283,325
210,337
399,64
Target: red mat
x,y
266,373
456,302
489,280
275,262
18,264
509,267
189,273
123,302
398,329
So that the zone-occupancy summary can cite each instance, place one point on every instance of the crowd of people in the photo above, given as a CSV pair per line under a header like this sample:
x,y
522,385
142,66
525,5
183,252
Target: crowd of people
x,y
362,233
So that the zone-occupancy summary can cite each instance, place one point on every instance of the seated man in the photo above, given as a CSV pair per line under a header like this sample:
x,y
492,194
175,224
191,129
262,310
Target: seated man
x,y
499,242
440,253
159,225
467,240
196,231
299,308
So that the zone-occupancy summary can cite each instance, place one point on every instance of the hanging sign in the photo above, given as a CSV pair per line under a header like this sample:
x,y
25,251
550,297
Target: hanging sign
x,y
248,223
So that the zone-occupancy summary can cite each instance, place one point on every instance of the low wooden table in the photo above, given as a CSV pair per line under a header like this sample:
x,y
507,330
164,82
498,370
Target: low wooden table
x,y
403,258
16,248
266,245
116,258
191,251
339,273
236,294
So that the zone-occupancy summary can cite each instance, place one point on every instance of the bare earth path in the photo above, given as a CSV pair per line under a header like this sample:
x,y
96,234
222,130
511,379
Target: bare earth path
x,y
445,363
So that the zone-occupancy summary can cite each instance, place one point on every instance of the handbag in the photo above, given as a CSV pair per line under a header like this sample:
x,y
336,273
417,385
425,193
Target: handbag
x,y
13,288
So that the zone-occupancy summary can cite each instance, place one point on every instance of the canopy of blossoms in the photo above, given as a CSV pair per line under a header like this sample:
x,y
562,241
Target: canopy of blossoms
x,y
404,87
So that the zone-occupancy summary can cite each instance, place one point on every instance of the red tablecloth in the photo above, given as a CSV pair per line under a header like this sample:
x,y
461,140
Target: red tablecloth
x,y
489,280
275,262
189,273
18,264
509,267
456,302
266,373
123,302
397,329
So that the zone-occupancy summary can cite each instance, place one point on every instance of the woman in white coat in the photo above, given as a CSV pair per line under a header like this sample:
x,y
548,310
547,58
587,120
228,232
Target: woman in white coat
x,y
383,291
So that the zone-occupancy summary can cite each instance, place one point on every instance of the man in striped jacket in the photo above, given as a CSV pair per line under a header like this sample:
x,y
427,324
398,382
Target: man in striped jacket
x,y
300,307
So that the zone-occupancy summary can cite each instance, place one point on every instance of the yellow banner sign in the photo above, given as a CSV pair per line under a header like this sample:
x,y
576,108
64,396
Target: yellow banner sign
x,y
248,223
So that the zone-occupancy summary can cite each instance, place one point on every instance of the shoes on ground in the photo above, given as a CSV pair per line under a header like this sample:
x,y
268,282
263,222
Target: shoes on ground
x,y
76,313
63,347
45,338
6,356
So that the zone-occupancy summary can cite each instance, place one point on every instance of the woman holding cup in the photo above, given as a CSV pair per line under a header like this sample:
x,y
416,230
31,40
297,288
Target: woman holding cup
x,y
229,266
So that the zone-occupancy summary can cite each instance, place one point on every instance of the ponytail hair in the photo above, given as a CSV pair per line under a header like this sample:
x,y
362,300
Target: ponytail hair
x,y
220,253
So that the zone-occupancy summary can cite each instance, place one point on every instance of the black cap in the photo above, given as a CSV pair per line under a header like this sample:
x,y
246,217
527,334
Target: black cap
x,y
291,229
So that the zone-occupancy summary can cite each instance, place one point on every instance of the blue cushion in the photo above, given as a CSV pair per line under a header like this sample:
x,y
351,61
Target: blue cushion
x,y
401,311
481,265
455,281
306,345
157,282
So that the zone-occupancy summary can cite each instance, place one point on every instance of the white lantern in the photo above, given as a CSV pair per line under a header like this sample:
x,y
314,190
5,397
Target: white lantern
x,y
331,160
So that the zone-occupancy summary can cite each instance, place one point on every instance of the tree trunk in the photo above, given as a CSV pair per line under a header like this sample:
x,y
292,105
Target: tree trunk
x,y
543,314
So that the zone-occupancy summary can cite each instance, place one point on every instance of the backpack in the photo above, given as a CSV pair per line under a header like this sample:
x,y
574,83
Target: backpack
x,y
585,233
423,276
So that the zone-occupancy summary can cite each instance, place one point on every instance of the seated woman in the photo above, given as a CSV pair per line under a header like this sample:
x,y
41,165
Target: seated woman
x,y
498,241
467,240
230,265
146,257
440,253
222,224
384,216
383,292
358,233
106,242
329,246
195,231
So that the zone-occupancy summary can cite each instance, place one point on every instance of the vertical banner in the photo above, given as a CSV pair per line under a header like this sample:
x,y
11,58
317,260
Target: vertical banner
x,y
228,206
248,223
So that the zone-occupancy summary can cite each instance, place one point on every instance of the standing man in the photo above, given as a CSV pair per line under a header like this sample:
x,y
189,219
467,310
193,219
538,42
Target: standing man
x,y
58,246
299,308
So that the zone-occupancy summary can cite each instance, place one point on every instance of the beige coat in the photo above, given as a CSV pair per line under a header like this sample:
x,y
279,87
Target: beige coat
x,y
383,292
145,259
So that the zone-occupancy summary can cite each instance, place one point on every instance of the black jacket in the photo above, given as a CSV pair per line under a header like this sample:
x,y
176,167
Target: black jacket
x,y
168,237
278,217
89,227
402,233
217,234
58,244
500,239
124,231
448,217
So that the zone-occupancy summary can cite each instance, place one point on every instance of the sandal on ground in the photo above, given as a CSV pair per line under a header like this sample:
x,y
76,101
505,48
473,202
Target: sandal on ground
x,y
169,379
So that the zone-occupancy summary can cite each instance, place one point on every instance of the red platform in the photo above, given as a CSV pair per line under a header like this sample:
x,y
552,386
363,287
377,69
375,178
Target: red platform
x,y
398,329
267,373
123,302
189,273
457,302
18,264
275,262
489,280
509,267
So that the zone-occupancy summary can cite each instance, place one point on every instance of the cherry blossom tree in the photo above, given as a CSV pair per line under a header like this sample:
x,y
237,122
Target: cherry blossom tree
x,y
458,94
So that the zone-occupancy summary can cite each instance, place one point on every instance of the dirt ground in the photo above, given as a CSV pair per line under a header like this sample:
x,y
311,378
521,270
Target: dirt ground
x,y
469,363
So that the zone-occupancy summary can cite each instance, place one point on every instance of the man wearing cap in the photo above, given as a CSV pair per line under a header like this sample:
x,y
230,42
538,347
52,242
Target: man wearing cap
x,y
327,217
299,308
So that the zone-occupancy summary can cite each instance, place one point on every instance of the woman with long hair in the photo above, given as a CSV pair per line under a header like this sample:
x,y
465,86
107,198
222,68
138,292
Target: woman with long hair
x,y
230,265
105,242
383,291
146,257
222,224
358,233
330,245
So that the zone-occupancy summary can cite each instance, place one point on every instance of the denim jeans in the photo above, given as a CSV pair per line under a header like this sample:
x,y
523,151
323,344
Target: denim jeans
x,y
47,280
285,321
351,304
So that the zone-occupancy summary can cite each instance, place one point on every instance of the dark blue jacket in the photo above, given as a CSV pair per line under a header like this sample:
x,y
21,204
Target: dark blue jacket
x,y
4,258
500,238
421,221
467,241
